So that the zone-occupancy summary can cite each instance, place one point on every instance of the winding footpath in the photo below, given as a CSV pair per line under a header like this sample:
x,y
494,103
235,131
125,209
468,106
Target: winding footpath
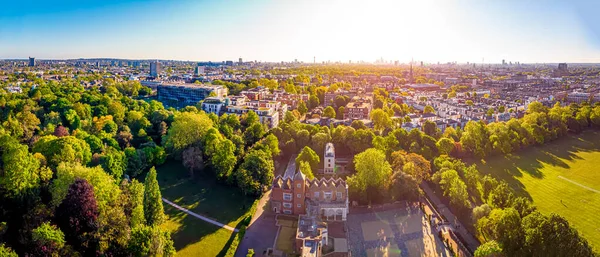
x,y
216,223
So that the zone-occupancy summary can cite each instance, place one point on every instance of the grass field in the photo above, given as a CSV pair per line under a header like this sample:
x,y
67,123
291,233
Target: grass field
x,y
561,177
202,195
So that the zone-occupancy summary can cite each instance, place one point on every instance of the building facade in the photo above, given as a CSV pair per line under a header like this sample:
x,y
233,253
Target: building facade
x,y
326,198
155,69
181,95
359,109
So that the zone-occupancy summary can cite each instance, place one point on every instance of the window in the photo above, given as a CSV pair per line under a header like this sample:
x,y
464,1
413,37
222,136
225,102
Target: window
x,y
298,185
299,195
316,194
299,205
339,195
287,196
327,195
287,212
287,205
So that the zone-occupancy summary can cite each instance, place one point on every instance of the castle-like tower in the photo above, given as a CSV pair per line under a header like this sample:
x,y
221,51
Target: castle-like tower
x,y
329,159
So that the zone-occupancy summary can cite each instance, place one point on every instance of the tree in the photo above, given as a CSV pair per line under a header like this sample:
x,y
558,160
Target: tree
x,y
445,145
77,216
476,139
61,131
481,211
340,113
431,129
153,207
255,173
469,102
329,112
114,162
48,239
504,226
553,236
106,191
309,156
19,169
313,101
381,120
223,159
489,249
404,187
501,196
150,241
302,108
306,169
454,188
250,118
428,109
192,159
187,129
134,205
358,124
255,132
372,175
7,252
63,149
411,164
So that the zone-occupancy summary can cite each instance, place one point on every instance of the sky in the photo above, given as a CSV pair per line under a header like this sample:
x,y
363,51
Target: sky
x,y
527,31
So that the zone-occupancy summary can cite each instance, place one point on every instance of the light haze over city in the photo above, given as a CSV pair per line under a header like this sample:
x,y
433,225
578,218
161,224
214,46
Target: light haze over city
x,y
431,31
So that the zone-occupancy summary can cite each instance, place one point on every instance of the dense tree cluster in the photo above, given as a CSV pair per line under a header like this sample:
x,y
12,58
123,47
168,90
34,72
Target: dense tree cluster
x,y
70,158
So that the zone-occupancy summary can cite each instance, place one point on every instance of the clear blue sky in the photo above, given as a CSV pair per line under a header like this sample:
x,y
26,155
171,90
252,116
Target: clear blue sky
x,y
276,30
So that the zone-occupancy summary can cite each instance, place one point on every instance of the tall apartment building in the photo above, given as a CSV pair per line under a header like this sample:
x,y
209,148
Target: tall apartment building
x,y
154,69
31,61
181,95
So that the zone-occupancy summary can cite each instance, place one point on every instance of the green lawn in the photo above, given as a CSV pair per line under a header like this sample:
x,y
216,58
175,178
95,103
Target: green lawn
x,y
542,174
202,195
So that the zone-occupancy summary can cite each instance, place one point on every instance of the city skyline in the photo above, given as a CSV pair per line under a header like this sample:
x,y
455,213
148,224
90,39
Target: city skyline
x,y
273,31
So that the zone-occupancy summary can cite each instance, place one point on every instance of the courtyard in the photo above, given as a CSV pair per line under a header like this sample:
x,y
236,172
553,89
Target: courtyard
x,y
400,231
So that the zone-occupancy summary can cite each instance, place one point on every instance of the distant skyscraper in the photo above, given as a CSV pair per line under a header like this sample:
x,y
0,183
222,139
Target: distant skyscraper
x,y
31,61
240,60
562,67
199,70
155,69
503,62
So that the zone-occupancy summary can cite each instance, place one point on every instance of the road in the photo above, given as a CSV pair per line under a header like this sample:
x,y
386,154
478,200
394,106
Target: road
x,y
261,232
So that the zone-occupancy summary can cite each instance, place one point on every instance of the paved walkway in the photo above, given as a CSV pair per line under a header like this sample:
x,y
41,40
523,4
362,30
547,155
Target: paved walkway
x,y
200,216
471,242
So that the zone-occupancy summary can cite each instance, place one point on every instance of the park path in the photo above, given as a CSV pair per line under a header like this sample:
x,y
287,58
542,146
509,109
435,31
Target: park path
x,y
216,223
472,242
577,184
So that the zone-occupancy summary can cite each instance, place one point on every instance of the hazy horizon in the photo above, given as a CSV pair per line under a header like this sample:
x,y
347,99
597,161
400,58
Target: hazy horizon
x,y
273,31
